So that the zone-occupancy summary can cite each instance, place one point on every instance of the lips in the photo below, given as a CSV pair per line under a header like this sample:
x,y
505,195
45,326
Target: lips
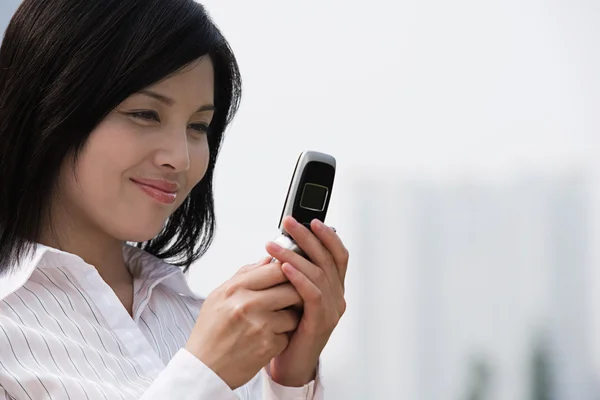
x,y
165,192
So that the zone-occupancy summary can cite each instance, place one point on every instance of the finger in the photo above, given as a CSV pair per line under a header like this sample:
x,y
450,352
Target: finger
x,y
278,297
262,261
262,277
331,240
310,244
283,321
281,341
315,273
310,293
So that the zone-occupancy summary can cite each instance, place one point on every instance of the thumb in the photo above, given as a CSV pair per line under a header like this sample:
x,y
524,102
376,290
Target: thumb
x,y
259,263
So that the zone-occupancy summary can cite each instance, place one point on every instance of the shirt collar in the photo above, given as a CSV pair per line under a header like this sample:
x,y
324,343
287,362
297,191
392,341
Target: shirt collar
x,y
146,266
142,265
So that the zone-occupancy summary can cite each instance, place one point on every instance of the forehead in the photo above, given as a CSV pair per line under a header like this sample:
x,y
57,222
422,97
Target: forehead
x,y
193,84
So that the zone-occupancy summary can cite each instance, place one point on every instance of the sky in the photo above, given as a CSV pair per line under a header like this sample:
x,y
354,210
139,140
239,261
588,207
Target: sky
x,y
409,89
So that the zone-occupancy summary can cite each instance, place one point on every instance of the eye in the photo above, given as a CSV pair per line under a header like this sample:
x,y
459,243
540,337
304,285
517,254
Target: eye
x,y
199,127
145,115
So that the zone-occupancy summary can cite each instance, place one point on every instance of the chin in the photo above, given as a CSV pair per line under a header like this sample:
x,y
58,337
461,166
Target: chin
x,y
137,232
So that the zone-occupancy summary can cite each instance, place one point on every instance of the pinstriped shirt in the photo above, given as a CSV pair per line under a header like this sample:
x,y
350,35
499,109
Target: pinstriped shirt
x,y
64,335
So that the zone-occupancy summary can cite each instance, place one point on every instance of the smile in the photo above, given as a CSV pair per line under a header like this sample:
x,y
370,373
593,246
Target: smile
x,y
157,191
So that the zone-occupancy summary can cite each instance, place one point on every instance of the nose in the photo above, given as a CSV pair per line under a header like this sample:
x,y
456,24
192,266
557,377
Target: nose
x,y
174,151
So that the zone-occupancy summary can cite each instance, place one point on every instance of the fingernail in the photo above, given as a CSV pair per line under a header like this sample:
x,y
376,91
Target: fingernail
x,y
319,225
274,247
288,269
264,260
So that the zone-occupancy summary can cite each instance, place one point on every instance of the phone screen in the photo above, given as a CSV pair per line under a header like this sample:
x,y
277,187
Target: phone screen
x,y
314,197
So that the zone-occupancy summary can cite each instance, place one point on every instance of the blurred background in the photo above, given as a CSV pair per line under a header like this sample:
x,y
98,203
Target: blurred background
x,y
468,185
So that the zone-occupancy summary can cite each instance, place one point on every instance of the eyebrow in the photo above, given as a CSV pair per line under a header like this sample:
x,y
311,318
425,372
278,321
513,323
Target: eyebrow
x,y
169,101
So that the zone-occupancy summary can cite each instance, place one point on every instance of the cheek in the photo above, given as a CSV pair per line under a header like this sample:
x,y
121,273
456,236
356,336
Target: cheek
x,y
110,150
199,160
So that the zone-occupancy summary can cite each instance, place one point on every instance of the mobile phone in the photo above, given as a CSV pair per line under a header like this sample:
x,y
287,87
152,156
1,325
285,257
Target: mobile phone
x,y
308,195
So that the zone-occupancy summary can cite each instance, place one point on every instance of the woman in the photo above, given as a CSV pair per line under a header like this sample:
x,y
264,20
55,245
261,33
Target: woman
x,y
111,117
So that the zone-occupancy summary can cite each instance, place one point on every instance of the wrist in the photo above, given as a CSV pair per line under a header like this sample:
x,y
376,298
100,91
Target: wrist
x,y
294,377
210,361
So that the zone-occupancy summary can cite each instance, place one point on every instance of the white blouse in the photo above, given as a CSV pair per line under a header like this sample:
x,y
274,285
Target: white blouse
x,y
65,335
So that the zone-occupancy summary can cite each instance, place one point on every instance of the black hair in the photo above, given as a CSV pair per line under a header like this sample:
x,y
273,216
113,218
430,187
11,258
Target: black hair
x,y
64,66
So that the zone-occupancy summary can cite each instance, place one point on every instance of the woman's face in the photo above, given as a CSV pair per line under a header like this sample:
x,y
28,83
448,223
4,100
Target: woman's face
x,y
143,159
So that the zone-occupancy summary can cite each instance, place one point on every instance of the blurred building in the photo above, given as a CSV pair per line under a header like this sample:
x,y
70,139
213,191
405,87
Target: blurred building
x,y
473,290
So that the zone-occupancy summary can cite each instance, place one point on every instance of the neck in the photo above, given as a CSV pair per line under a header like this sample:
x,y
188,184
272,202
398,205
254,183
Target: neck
x,y
95,247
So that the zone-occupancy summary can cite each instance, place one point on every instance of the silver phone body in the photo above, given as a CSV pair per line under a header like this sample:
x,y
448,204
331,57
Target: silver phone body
x,y
301,178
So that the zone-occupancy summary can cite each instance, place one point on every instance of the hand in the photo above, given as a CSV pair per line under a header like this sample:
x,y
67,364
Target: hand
x,y
320,283
243,324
